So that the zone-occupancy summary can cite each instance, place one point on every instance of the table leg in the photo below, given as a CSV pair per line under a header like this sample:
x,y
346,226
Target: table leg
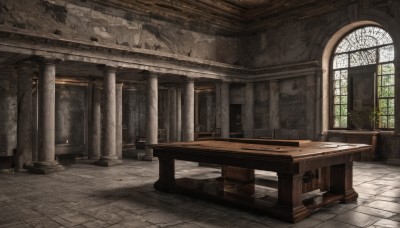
x,y
290,197
341,181
166,180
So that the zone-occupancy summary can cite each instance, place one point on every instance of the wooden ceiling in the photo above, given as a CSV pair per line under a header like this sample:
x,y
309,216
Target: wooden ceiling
x,y
234,16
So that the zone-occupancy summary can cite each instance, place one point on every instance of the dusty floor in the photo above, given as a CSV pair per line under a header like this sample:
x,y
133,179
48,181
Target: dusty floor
x,y
123,196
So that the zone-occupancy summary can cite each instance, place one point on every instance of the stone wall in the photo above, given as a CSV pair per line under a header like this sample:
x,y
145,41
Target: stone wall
x,y
261,105
304,40
71,113
8,116
133,114
105,25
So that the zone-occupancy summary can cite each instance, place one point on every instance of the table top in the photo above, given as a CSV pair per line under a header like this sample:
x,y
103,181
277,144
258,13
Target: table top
x,y
285,149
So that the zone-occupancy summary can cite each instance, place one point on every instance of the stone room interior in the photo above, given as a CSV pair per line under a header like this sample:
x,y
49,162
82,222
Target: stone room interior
x,y
206,113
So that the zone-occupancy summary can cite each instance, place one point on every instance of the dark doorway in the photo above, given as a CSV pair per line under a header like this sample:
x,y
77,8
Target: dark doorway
x,y
235,117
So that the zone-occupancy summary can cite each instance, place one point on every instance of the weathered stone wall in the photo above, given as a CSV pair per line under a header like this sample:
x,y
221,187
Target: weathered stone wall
x,y
261,105
71,114
8,116
133,114
304,40
207,111
105,25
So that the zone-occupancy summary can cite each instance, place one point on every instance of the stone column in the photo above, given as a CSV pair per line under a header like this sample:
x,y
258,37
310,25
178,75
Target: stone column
x,y
95,139
109,144
118,94
196,111
188,112
210,112
249,111
46,128
151,115
310,103
24,124
218,105
225,132
166,115
35,114
274,104
173,115
178,115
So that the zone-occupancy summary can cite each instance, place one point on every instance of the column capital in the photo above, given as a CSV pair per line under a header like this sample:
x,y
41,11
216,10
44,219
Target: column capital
x,y
190,79
107,68
147,73
46,61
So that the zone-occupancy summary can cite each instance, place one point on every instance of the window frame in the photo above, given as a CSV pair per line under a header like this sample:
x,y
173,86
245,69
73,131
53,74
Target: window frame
x,y
377,64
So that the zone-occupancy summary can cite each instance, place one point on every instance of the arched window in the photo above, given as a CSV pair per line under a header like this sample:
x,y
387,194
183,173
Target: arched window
x,y
362,80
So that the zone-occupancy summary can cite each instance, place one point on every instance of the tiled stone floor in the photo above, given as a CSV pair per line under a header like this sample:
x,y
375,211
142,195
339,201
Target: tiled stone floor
x,y
123,196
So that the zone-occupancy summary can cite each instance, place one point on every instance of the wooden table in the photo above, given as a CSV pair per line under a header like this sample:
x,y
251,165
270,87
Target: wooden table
x,y
290,159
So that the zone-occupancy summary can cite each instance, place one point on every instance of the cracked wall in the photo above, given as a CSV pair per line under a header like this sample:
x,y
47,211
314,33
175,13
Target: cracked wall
x,y
107,26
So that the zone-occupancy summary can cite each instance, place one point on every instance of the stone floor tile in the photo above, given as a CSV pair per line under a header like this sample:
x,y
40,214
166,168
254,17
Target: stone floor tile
x,y
374,212
334,224
395,217
18,225
43,222
384,198
323,215
95,224
10,217
76,218
384,205
136,224
392,193
340,208
228,221
357,219
385,223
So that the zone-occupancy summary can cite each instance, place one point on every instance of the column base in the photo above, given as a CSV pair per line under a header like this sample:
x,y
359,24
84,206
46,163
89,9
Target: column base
x,y
45,167
108,161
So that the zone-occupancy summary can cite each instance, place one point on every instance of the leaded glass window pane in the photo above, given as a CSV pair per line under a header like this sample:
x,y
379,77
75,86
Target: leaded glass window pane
x,y
361,58
364,38
341,61
387,68
386,54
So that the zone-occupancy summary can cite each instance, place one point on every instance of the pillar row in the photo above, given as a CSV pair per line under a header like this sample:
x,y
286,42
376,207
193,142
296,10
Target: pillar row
x,y
225,110
151,115
188,113
46,120
274,104
178,115
173,115
108,146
